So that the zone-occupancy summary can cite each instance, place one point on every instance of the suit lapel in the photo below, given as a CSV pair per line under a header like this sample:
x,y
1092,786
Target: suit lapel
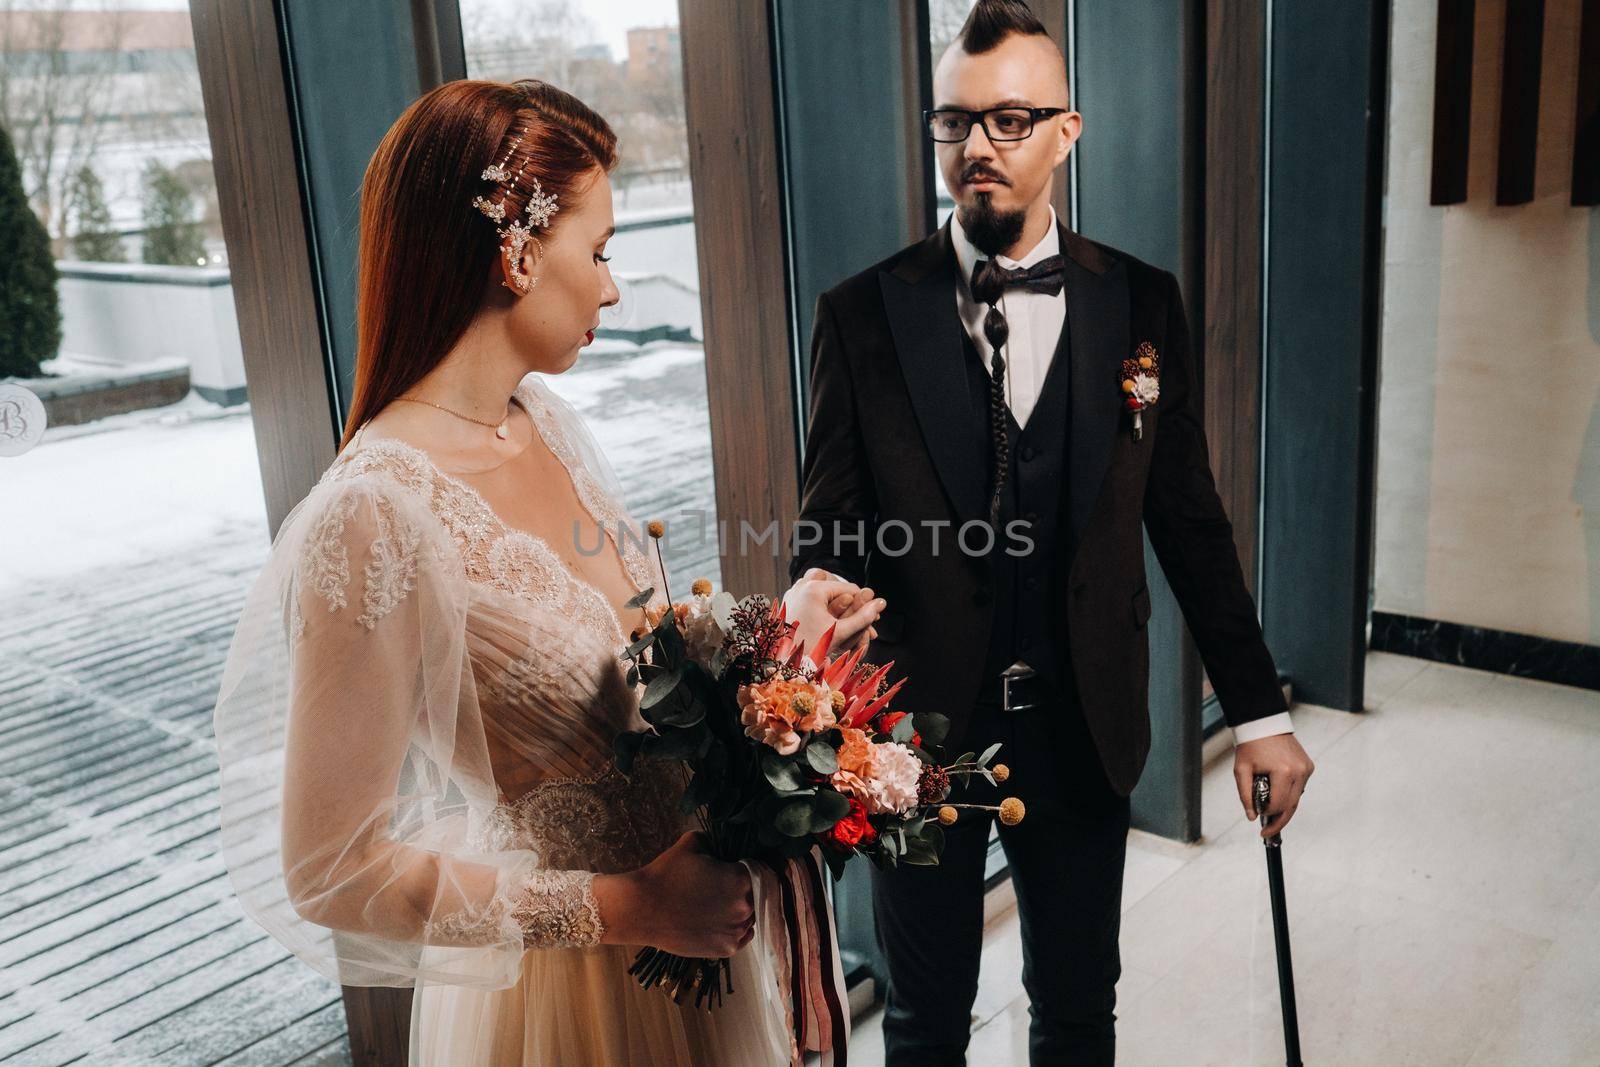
x,y
1097,316
919,297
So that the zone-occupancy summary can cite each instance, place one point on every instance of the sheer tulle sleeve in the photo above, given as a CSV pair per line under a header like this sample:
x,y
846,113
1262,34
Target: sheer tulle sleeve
x,y
354,764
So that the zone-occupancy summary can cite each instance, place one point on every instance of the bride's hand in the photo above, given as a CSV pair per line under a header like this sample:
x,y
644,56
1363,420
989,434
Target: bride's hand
x,y
684,901
819,600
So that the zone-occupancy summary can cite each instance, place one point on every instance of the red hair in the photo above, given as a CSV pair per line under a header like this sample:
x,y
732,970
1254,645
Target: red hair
x,y
425,250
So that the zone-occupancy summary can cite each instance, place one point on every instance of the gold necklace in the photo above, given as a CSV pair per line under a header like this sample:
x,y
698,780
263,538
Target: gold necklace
x,y
500,429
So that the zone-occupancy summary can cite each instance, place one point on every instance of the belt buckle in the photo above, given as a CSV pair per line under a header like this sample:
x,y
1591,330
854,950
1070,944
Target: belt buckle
x,y
1013,673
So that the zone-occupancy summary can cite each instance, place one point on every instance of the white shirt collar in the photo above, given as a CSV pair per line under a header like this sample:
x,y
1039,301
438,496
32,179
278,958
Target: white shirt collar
x,y
967,254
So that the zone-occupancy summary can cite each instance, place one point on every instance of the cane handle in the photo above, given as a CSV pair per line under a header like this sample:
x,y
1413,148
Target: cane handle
x,y
1263,792
1263,788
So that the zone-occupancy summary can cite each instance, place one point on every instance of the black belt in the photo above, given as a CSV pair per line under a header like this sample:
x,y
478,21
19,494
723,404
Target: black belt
x,y
1015,690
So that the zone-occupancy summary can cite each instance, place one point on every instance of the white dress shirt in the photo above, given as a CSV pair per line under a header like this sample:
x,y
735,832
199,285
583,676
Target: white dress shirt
x,y
1035,321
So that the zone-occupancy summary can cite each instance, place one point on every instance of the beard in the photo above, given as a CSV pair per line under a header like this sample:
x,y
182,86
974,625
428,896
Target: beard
x,y
991,231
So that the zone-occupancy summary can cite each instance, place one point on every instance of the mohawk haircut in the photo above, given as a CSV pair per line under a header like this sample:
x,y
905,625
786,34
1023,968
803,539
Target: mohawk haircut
x,y
992,21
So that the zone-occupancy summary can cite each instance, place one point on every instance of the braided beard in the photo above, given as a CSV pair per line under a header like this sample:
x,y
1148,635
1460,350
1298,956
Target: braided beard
x,y
991,232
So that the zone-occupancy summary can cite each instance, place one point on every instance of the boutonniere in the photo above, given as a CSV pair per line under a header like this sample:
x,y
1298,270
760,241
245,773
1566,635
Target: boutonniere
x,y
1141,384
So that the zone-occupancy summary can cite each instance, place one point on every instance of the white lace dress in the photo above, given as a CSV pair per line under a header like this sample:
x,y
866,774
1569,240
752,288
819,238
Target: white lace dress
x,y
415,732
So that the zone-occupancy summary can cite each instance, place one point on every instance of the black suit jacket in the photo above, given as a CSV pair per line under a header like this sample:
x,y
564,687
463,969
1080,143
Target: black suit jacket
x,y
887,385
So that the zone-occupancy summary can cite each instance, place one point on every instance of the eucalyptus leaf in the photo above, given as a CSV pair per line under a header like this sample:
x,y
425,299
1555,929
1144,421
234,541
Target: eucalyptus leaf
x,y
830,808
783,773
669,639
659,687
794,818
903,730
641,598
822,758
681,709
988,753
933,727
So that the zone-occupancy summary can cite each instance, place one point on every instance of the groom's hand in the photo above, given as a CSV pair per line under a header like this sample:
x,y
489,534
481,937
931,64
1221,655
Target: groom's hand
x,y
1286,764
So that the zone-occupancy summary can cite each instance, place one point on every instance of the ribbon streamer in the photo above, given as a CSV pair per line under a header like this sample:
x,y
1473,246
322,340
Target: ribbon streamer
x,y
802,956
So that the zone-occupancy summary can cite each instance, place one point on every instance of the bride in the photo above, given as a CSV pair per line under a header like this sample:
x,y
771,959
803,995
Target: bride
x,y
416,717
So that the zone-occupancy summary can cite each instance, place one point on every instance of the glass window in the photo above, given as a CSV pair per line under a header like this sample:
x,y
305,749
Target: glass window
x,y
133,521
945,18
642,384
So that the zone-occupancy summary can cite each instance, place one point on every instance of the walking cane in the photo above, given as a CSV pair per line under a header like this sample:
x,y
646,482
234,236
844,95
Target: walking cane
x,y
1280,927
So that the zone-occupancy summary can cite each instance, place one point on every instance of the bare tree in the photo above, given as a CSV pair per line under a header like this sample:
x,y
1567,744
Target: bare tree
x,y
945,18
55,94
519,40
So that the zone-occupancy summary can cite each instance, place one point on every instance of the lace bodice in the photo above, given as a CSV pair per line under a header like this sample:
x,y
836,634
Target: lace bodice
x,y
501,556
549,712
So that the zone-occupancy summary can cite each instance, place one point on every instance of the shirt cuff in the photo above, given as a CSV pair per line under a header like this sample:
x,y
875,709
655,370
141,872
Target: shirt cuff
x,y
1266,726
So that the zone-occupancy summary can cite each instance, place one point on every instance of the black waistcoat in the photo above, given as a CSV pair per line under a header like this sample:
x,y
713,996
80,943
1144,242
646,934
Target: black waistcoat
x,y
1024,577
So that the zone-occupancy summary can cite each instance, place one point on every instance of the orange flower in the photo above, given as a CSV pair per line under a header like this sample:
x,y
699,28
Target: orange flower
x,y
777,711
855,755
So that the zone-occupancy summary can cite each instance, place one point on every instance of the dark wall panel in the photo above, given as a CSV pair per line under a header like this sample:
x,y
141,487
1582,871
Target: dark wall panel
x,y
1324,176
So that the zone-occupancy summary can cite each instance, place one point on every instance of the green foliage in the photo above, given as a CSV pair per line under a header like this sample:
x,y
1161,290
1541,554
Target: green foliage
x,y
93,238
171,234
30,315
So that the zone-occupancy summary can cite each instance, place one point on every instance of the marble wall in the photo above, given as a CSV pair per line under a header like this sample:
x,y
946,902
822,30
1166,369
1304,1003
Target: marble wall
x,y
1488,461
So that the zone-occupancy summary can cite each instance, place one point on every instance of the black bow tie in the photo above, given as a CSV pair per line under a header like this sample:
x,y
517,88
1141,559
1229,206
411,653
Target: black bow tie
x,y
990,279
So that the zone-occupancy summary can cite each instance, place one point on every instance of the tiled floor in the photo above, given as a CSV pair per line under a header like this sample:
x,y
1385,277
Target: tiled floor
x,y
1443,884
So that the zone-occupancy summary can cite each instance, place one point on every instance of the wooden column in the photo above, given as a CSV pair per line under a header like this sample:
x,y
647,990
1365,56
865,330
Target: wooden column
x,y
1235,86
253,152
739,230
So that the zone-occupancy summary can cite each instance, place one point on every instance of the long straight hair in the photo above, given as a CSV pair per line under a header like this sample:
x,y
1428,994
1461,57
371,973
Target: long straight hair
x,y
425,251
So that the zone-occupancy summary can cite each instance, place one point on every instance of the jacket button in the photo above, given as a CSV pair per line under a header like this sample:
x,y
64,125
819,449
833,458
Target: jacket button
x,y
980,597
1031,517
1027,452
1029,582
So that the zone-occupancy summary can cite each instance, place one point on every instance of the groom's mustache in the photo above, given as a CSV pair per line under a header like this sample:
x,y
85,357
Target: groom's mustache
x,y
976,173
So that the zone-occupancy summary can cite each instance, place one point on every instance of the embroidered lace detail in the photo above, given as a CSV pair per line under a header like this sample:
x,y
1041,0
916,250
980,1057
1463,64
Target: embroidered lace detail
x,y
326,560
608,823
475,924
557,909
392,571
503,557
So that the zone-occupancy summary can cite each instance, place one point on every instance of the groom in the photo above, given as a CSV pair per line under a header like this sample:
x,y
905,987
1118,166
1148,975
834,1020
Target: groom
x,y
974,384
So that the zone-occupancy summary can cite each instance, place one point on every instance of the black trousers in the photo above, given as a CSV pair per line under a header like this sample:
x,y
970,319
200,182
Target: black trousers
x,y
1066,860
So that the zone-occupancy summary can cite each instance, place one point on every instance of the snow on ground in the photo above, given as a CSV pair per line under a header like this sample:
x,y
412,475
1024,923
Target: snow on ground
x,y
163,482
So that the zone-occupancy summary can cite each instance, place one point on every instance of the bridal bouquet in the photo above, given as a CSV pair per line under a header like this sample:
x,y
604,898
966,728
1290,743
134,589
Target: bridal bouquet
x,y
791,753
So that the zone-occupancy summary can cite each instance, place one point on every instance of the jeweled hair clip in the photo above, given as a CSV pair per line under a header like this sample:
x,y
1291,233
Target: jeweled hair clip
x,y
519,232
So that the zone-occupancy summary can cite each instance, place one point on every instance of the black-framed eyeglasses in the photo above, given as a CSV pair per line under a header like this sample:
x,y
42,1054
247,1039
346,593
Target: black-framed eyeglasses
x,y
953,124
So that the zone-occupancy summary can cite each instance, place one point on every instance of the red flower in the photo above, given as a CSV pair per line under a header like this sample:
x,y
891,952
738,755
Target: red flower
x,y
854,829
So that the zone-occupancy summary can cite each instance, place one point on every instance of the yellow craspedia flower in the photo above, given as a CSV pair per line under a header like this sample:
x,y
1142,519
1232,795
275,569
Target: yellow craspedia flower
x,y
1127,385
1012,811
948,816
701,587
657,528
1146,362
1000,771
